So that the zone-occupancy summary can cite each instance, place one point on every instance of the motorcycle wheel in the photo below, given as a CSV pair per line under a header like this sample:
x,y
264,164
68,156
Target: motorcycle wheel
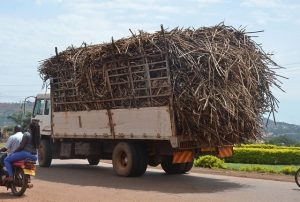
x,y
297,177
19,184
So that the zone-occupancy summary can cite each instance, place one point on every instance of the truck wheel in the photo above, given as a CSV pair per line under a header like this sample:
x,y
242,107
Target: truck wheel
x,y
154,160
44,153
142,160
93,160
170,168
125,160
187,167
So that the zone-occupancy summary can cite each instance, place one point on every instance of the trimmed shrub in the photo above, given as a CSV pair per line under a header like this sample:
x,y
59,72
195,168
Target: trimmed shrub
x,y
209,161
265,156
266,146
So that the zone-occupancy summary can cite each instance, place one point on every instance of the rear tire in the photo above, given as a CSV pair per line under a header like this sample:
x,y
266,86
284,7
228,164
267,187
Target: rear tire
x,y
93,161
154,160
170,168
188,166
125,160
142,160
19,184
297,177
44,153
178,168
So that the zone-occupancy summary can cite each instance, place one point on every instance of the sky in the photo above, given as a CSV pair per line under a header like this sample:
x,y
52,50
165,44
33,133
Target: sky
x,y
31,29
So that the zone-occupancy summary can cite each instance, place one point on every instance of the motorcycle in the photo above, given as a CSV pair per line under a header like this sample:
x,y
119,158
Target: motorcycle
x,y
22,170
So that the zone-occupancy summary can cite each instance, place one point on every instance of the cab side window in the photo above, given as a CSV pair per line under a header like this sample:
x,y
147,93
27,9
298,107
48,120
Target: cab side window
x,y
39,107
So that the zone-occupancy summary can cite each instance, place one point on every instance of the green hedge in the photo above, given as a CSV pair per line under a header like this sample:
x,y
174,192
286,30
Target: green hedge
x,y
265,156
267,146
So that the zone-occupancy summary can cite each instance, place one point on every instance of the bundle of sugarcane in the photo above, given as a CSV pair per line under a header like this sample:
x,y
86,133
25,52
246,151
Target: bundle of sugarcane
x,y
217,79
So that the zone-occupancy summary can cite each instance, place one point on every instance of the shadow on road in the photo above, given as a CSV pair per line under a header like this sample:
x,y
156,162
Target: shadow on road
x,y
85,175
8,195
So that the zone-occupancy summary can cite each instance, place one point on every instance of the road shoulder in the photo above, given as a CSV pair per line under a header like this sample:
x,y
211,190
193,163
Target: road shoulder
x,y
255,175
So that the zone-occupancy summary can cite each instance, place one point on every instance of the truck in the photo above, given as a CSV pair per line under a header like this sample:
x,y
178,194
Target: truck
x,y
162,98
132,137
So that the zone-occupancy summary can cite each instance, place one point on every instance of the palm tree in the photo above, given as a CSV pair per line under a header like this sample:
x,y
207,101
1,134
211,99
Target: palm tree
x,y
19,118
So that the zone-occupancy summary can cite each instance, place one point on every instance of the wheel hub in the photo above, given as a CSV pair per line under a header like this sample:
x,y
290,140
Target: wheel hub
x,y
124,159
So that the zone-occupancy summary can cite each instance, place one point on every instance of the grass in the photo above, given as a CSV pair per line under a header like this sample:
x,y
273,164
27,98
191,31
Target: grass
x,y
2,145
283,169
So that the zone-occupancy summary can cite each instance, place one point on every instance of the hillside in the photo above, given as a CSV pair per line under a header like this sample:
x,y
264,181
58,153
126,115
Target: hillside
x,y
7,109
281,128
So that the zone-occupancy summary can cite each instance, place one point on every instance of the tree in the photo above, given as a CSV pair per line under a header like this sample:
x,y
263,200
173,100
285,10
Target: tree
x,y
21,119
282,140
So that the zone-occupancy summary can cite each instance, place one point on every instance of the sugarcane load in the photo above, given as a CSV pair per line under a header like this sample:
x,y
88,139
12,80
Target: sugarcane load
x,y
215,81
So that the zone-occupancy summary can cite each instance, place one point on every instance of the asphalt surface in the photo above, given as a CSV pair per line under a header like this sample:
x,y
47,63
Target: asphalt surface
x,y
74,180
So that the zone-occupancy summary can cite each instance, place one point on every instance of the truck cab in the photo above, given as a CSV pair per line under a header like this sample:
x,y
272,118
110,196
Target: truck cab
x,y
42,113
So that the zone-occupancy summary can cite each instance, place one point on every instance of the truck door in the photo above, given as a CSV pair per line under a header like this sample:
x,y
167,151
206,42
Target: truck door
x,y
41,113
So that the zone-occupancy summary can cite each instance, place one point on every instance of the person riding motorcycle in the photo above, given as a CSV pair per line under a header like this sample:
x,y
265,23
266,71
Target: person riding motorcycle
x,y
12,144
26,150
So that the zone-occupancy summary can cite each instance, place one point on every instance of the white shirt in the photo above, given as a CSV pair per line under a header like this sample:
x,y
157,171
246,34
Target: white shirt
x,y
13,142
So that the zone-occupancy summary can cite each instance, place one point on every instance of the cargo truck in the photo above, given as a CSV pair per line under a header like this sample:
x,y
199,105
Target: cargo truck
x,y
132,137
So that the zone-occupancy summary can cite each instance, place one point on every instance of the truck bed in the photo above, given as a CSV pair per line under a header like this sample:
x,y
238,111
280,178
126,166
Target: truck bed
x,y
153,123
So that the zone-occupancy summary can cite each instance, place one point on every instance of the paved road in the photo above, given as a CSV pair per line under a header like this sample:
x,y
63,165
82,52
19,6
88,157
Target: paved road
x,y
74,180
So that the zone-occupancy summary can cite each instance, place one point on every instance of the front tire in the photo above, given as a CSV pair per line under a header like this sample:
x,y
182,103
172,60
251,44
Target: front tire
x,y
44,153
19,184
297,177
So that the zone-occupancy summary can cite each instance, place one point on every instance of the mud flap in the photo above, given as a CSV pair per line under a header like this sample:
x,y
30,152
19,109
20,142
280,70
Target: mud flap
x,y
225,151
182,157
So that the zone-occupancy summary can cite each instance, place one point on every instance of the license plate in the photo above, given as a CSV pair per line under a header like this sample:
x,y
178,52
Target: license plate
x,y
29,172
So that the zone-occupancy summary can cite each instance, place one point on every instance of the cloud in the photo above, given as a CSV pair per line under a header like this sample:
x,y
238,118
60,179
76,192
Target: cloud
x,y
204,3
41,2
262,3
89,6
278,11
91,21
272,4
263,17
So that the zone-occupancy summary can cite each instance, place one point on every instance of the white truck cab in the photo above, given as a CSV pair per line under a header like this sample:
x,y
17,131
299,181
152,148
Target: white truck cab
x,y
42,113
